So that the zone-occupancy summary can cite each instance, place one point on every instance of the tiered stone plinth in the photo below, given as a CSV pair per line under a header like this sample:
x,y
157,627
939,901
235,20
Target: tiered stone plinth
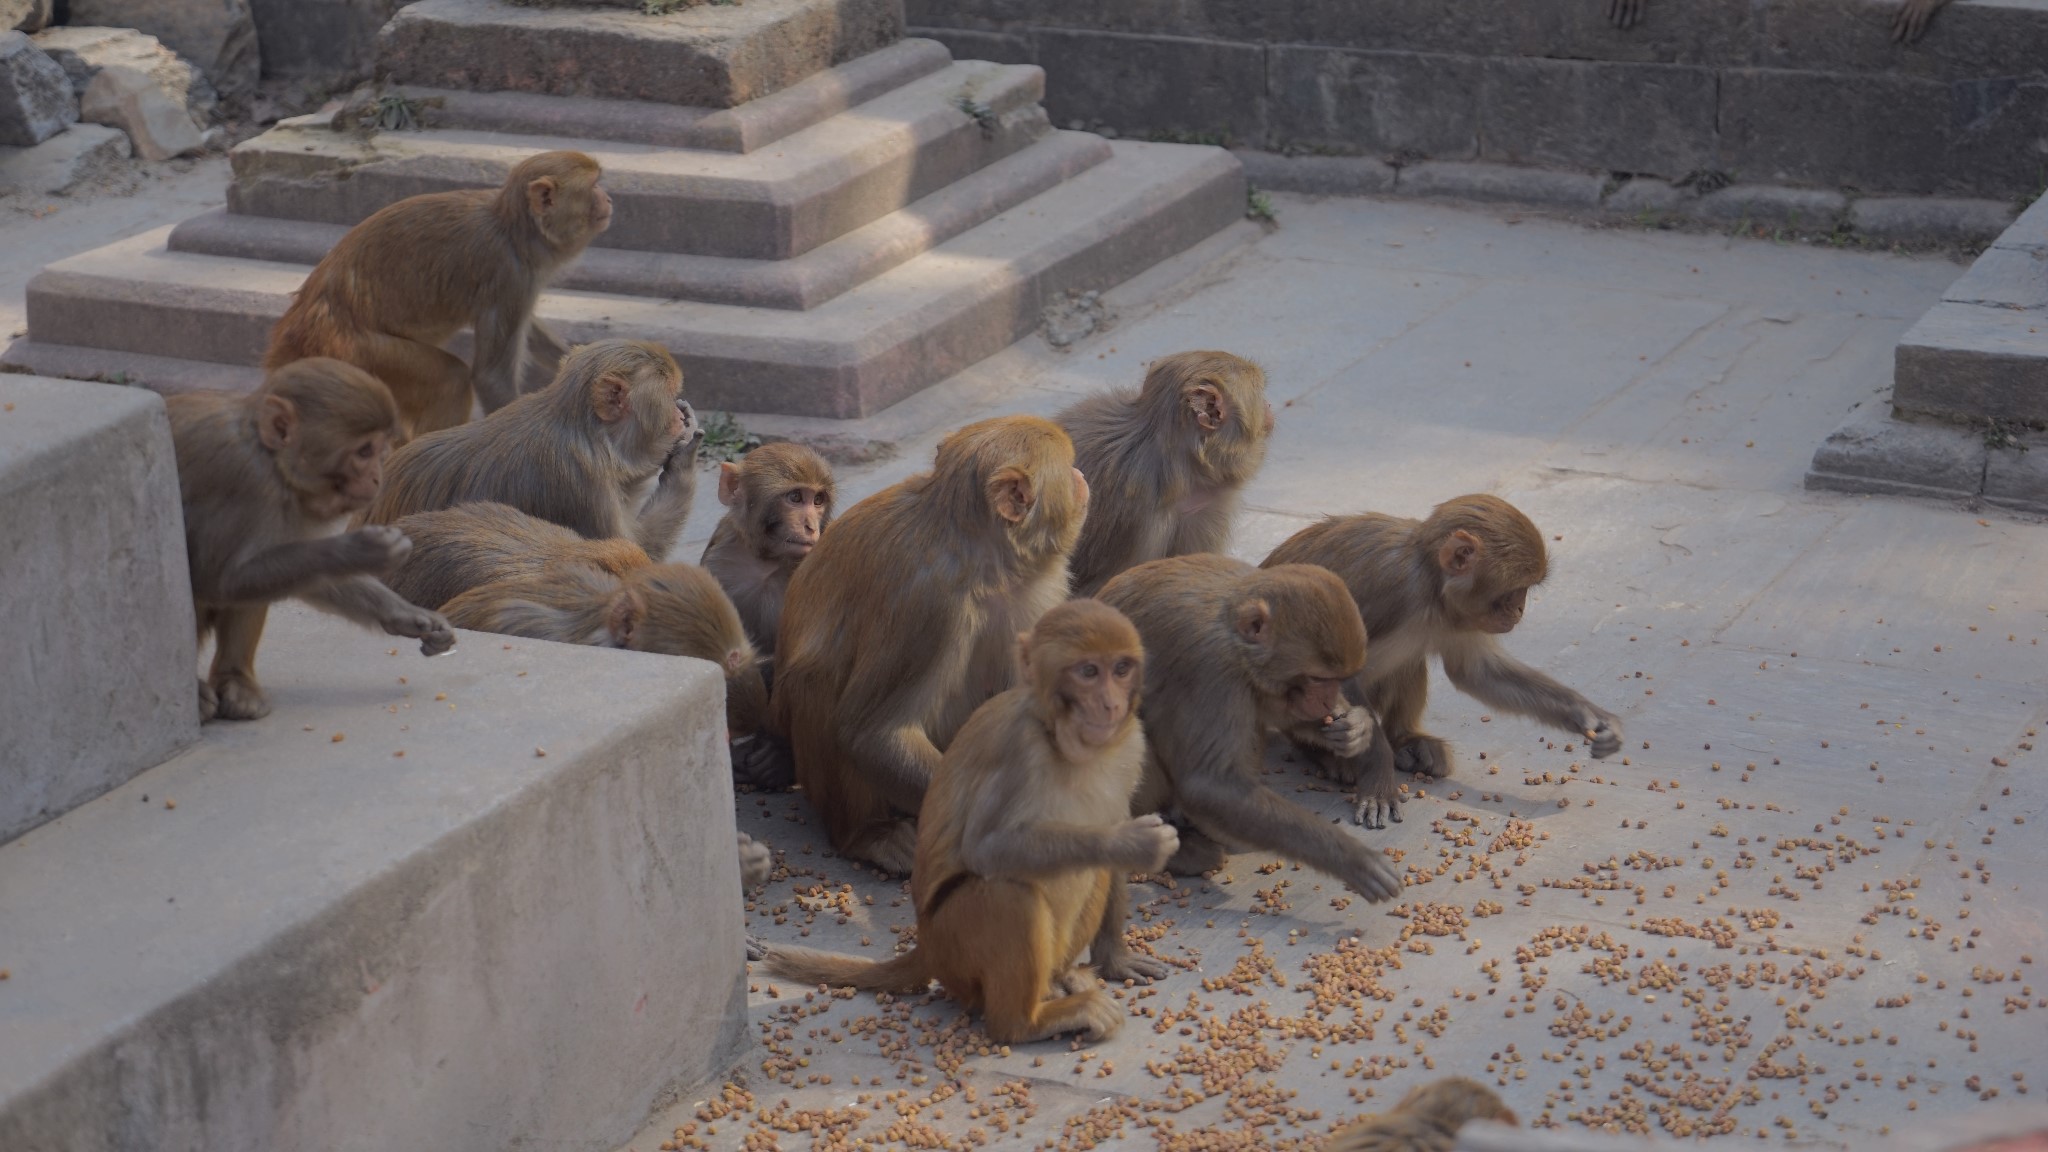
x,y
816,220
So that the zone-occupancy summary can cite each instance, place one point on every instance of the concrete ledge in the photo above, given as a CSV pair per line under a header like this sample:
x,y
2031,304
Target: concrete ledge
x,y
799,283
814,186
1875,452
709,56
1500,182
1317,175
96,606
752,125
328,944
1969,362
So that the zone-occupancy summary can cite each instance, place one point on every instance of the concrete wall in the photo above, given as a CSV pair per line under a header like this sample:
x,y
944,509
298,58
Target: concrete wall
x,y
97,668
1773,91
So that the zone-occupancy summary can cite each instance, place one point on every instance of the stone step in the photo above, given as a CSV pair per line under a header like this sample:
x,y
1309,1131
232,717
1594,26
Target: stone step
x,y
781,201
752,125
1970,362
801,282
707,55
849,357
381,918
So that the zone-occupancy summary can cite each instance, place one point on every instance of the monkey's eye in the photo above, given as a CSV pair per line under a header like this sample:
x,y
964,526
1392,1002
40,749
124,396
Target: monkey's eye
x,y
796,497
1125,667
1088,671
820,500
368,450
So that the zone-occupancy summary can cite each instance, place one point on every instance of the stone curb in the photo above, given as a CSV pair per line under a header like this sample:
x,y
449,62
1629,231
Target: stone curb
x,y
1884,218
1878,451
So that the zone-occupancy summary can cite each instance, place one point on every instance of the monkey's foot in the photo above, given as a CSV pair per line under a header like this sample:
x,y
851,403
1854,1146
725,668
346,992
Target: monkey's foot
x,y
763,763
1376,805
209,703
1197,854
756,862
1099,1018
1073,982
1424,756
757,948
1124,965
239,699
892,849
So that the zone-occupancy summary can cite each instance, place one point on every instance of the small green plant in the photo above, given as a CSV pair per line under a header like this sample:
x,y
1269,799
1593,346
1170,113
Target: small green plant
x,y
725,439
393,112
1220,139
663,7
982,115
2002,433
1259,206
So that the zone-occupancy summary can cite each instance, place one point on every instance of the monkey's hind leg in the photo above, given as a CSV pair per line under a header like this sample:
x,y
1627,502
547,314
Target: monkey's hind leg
x,y
430,385
892,847
1013,942
237,631
1399,699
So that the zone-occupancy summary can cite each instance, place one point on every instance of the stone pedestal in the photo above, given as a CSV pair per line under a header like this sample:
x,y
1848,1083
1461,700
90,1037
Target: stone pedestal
x,y
817,218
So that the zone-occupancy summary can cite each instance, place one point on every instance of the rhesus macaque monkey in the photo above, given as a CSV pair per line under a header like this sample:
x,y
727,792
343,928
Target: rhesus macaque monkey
x,y
778,502
496,569
1443,587
1426,1120
1023,840
1232,650
1165,461
404,281
904,618
577,453
268,479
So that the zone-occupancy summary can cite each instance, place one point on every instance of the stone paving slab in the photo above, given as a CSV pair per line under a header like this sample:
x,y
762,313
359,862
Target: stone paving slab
x,y
482,900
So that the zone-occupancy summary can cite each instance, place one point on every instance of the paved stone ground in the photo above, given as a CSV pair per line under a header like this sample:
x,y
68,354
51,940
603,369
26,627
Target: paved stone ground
x,y
1792,911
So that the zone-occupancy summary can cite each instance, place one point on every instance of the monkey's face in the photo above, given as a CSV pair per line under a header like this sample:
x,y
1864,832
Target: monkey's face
x,y
353,476
1097,691
1504,611
794,521
600,209
1317,697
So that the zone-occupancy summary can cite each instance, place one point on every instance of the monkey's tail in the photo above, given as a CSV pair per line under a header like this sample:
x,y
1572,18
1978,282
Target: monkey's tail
x,y
905,973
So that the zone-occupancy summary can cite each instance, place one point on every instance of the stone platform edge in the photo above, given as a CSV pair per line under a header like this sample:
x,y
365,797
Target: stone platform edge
x,y
485,900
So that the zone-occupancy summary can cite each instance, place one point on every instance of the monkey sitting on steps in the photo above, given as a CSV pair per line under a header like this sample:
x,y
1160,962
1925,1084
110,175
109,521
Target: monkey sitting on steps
x,y
1023,840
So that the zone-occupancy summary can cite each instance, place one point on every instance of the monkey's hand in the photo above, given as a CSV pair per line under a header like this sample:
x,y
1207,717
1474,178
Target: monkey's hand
x,y
1124,964
1911,22
1603,732
1379,789
372,551
431,629
1624,13
1348,733
756,862
1144,844
1374,878
1424,755
763,763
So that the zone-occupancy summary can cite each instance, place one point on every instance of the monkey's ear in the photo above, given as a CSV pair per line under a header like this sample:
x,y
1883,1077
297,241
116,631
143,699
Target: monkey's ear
x,y
728,483
1254,622
734,661
540,196
1458,554
1011,494
610,397
277,423
1210,406
623,618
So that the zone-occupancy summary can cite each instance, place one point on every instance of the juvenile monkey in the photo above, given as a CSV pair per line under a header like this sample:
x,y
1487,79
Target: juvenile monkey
x,y
1023,840
267,480
506,572
577,453
904,620
1165,461
1426,1120
393,290
1444,587
778,502
1232,651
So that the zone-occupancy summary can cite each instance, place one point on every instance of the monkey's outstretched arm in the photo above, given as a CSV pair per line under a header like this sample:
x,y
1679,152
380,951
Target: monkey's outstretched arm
x,y
1481,670
367,601
663,516
1233,807
286,569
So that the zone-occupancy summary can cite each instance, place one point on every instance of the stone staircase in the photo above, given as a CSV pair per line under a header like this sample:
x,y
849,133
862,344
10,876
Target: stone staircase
x,y
816,217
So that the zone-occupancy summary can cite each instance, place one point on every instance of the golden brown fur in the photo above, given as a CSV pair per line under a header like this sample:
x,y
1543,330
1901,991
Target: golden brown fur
x,y
267,480
1426,1120
778,502
1231,652
904,617
401,283
1022,841
578,453
456,549
1445,587
1165,461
